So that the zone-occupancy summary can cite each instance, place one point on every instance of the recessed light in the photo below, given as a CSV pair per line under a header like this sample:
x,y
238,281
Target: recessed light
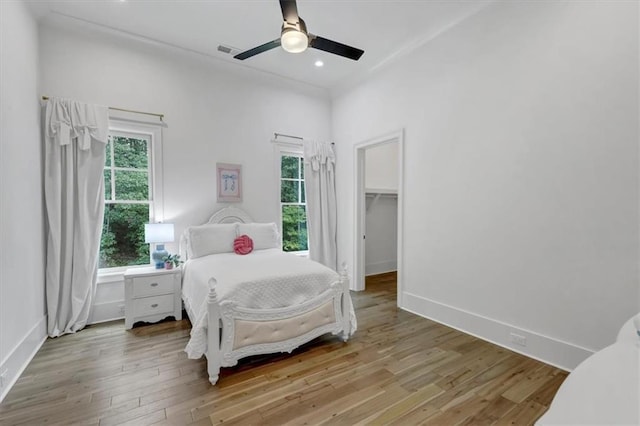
x,y
319,63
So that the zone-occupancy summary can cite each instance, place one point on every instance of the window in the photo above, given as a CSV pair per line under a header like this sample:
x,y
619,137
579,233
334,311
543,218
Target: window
x,y
293,208
128,197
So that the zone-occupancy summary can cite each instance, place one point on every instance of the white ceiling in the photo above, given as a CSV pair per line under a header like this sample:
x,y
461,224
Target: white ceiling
x,y
384,29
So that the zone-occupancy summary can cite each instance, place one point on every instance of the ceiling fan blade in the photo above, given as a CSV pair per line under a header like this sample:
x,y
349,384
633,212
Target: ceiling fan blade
x,y
262,48
289,11
334,47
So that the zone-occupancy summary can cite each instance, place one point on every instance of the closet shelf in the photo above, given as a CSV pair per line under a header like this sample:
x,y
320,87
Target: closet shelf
x,y
377,193
381,191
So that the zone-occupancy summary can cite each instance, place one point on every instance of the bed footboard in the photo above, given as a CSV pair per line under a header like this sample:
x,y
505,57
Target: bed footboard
x,y
235,332
345,303
213,333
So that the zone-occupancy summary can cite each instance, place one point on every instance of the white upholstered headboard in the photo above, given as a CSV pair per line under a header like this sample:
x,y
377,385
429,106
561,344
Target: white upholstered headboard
x,y
230,215
225,215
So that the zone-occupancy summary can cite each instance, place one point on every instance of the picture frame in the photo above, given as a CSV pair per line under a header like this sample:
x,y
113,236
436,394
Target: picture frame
x,y
229,182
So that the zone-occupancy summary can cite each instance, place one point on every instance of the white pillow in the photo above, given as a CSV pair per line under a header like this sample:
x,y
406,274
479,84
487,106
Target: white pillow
x,y
264,235
209,239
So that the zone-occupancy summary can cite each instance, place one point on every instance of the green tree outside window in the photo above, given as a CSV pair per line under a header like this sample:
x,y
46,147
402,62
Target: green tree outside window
x,y
127,202
293,204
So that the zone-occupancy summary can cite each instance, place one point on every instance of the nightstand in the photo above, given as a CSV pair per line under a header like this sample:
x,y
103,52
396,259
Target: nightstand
x,y
151,295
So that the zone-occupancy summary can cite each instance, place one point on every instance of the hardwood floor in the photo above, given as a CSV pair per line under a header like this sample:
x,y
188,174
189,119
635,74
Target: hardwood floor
x,y
397,369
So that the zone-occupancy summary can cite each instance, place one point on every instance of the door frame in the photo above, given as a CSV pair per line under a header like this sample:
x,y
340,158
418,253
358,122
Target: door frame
x,y
360,207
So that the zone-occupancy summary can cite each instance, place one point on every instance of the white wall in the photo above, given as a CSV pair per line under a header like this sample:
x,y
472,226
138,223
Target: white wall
x,y
381,219
521,172
381,167
381,230
22,243
214,113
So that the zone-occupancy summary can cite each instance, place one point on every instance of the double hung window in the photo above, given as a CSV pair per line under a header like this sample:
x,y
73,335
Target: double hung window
x,y
130,186
293,207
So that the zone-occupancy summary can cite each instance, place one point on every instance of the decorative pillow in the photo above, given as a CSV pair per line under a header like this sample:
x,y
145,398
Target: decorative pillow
x,y
243,245
209,239
264,235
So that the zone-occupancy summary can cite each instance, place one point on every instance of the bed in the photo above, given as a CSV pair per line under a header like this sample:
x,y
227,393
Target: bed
x,y
264,302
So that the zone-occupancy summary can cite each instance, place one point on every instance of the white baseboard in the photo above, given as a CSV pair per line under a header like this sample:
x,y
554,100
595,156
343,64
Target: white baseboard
x,y
547,349
380,267
15,363
107,311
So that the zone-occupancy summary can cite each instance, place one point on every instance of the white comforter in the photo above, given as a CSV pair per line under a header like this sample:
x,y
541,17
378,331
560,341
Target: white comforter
x,y
263,279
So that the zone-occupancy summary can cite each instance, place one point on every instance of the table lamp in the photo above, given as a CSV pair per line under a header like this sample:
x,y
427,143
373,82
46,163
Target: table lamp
x,y
158,234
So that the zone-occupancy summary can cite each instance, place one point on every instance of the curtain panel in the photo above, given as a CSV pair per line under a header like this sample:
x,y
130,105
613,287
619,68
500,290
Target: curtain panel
x,y
75,140
320,186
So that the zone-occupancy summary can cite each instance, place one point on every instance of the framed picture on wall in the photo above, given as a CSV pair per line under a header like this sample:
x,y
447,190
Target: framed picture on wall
x,y
229,177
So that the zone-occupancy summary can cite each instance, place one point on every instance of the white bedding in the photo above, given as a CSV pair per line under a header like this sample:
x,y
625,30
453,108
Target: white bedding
x,y
263,279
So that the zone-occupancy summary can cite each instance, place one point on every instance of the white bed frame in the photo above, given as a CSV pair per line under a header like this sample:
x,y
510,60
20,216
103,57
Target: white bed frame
x,y
234,332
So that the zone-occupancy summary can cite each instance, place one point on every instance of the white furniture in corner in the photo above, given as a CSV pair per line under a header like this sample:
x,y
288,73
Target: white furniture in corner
x,y
604,389
151,295
628,332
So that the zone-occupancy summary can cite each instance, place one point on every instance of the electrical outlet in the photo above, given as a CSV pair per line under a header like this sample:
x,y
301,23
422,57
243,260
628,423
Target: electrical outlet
x,y
518,339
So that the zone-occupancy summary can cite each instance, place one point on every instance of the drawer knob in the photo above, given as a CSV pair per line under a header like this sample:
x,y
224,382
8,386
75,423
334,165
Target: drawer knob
x,y
154,284
155,305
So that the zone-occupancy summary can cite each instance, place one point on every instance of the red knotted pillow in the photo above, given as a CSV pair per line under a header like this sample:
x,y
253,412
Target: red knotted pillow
x,y
243,245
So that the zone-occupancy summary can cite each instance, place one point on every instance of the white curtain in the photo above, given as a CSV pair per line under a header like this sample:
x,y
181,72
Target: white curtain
x,y
75,140
319,178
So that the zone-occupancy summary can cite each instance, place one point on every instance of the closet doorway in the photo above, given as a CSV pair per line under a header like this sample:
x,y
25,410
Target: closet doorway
x,y
378,211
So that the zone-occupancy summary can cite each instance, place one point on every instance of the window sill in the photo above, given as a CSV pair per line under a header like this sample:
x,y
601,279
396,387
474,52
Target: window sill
x,y
304,253
116,274
110,277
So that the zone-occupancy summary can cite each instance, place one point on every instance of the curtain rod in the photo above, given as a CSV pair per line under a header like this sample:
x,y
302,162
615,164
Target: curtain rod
x,y
287,136
161,116
275,135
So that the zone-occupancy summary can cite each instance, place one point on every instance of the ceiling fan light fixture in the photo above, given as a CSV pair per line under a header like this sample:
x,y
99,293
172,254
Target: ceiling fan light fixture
x,y
294,40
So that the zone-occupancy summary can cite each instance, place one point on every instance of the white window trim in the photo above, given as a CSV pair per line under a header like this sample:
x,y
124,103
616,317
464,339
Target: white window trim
x,y
292,149
156,194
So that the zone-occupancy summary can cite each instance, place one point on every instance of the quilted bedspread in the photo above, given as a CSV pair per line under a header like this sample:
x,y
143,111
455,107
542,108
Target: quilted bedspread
x,y
263,279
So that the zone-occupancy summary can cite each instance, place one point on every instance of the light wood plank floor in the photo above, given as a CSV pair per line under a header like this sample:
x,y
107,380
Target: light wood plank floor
x,y
398,369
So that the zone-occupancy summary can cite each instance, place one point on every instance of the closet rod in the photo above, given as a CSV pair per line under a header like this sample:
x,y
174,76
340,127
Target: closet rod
x,y
161,116
275,135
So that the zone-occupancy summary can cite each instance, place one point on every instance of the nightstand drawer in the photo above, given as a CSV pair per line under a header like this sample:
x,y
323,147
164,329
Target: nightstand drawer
x,y
153,305
152,285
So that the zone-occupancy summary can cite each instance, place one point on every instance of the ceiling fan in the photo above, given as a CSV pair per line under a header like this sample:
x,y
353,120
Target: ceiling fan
x,y
294,38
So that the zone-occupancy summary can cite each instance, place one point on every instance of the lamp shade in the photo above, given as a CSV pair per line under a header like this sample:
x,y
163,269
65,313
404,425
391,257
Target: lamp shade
x,y
158,232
